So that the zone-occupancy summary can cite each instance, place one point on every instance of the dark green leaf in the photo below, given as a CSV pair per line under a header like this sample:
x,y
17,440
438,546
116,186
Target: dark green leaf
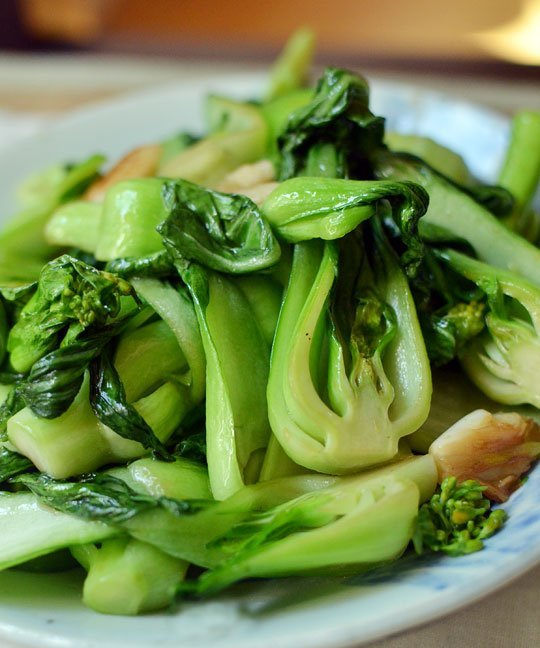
x,y
339,115
225,232
158,264
12,463
55,380
108,400
70,295
102,498
193,447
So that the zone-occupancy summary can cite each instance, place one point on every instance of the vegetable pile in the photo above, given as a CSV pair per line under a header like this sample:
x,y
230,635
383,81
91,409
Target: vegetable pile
x,y
216,357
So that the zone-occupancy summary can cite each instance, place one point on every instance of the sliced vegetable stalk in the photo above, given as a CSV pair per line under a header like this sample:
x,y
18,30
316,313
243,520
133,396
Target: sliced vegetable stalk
x,y
50,530
40,195
504,359
191,529
237,360
290,70
520,173
132,209
127,576
458,213
75,224
175,307
344,528
239,136
375,387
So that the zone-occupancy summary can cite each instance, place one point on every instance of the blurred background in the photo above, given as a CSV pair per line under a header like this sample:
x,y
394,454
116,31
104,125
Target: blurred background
x,y
56,54
415,31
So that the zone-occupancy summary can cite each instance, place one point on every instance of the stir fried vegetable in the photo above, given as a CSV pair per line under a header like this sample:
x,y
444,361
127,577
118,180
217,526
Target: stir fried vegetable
x,y
220,351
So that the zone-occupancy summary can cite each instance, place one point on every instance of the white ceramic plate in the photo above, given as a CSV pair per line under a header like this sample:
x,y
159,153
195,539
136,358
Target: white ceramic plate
x,y
46,610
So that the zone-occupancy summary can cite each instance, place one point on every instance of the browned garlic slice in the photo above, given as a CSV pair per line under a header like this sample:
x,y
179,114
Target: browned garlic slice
x,y
494,449
248,175
256,181
142,162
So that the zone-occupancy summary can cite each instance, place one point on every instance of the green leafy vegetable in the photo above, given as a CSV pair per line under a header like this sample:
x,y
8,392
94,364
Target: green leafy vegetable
x,y
347,382
462,216
55,379
348,525
290,70
71,297
108,399
12,463
221,231
305,208
102,497
41,194
339,114
237,428
502,360
520,172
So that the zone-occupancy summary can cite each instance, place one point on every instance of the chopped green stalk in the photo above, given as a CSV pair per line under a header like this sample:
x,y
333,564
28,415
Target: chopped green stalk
x,y
442,159
175,145
70,444
277,463
148,356
277,112
503,361
520,172
41,194
179,479
264,295
290,70
241,138
224,115
175,307
30,529
75,224
459,214
128,577
59,183
132,210
457,519
236,374
377,383
54,447
347,527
